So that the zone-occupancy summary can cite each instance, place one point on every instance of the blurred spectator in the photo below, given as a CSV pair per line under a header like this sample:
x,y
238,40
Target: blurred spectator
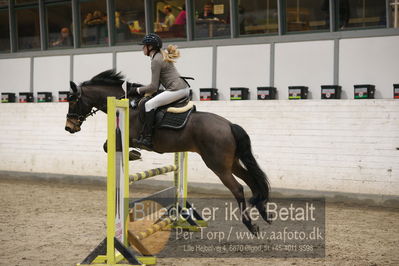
x,y
169,17
94,30
182,16
88,18
208,12
95,19
65,39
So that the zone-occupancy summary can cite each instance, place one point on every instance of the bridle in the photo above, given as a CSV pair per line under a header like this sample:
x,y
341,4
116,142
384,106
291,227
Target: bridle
x,y
77,116
80,118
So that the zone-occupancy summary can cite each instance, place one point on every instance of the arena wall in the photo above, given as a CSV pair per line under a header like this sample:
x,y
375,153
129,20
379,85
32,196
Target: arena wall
x,y
320,145
51,73
369,61
345,62
15,75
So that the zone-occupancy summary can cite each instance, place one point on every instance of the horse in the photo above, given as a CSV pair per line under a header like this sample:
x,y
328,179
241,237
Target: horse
x,y
223,146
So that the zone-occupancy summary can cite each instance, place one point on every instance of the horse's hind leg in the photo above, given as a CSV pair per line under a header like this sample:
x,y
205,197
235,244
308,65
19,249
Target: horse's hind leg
x,y
222,168
238,191
243,174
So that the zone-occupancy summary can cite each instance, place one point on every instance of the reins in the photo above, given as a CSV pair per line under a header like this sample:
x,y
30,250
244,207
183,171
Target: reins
x,y
82,118
99,109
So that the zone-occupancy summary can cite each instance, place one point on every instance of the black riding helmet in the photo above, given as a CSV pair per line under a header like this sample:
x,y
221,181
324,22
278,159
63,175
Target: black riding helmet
x,y
152,39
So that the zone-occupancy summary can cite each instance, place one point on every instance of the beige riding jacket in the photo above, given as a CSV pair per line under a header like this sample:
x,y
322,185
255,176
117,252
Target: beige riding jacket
x,y
164,73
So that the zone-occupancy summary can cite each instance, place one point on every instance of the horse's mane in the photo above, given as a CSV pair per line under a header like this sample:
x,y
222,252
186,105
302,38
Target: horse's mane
x,y
108,77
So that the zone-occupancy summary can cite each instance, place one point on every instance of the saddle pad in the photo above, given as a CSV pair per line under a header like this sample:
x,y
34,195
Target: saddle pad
x,y
174,120
183,109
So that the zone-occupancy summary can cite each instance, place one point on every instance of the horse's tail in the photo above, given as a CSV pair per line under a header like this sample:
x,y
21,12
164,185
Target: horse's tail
x,y
244,153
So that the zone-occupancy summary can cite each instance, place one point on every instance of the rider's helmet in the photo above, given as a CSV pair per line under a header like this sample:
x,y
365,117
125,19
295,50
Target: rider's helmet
x,y
152,39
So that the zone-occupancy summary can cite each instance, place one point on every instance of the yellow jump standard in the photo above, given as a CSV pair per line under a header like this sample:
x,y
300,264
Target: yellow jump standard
x,y
115,247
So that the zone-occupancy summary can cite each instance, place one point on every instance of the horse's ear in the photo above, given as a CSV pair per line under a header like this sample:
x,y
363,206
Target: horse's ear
x,y
73,86
125,86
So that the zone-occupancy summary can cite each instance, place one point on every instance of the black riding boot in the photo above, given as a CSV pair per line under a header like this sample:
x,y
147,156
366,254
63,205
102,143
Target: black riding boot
x,y
146,137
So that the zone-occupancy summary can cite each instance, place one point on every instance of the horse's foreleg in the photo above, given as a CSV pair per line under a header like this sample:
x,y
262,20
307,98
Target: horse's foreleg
x,y
105,146
133,154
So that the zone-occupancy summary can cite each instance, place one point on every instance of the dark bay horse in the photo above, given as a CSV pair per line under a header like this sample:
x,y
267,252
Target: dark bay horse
x,y
224,147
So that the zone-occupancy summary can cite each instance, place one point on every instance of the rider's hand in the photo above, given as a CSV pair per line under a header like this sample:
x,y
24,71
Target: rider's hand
x,y
132,91
137,90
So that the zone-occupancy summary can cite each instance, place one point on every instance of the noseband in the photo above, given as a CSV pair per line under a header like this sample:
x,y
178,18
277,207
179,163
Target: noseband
x,y
80,118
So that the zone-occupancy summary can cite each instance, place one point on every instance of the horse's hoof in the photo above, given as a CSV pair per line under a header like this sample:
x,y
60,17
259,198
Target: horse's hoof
x,y
269,218
105,147
255,230
134,155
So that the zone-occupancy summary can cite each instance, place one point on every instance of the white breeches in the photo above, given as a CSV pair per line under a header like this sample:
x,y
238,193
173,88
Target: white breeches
x,y
165,98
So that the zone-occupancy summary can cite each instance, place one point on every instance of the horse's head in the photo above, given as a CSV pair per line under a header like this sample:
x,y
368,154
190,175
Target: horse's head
x,y
93,93
79,108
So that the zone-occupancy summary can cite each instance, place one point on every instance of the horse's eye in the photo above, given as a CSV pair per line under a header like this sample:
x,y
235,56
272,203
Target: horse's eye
x,y
72,97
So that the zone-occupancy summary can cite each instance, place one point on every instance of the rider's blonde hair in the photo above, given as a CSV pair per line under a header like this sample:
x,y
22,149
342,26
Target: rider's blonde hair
x,y
171,53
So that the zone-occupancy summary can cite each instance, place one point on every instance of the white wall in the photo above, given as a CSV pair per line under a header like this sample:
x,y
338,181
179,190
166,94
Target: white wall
x,y
361,60
87,66
196,63
304,64
369,61
242,66
15,75
34,140
135,66
344,146
51,74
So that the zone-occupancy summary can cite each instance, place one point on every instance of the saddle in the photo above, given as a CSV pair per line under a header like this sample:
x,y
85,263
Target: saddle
x,y
173,115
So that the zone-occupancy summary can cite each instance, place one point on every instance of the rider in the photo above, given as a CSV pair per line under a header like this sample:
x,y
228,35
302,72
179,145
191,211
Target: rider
x,y
164,73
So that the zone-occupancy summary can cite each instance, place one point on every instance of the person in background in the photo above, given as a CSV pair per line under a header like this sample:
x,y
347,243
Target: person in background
x,y
182,16
89,17
65,39
169,17
118,20
122,28
98,18
208,12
